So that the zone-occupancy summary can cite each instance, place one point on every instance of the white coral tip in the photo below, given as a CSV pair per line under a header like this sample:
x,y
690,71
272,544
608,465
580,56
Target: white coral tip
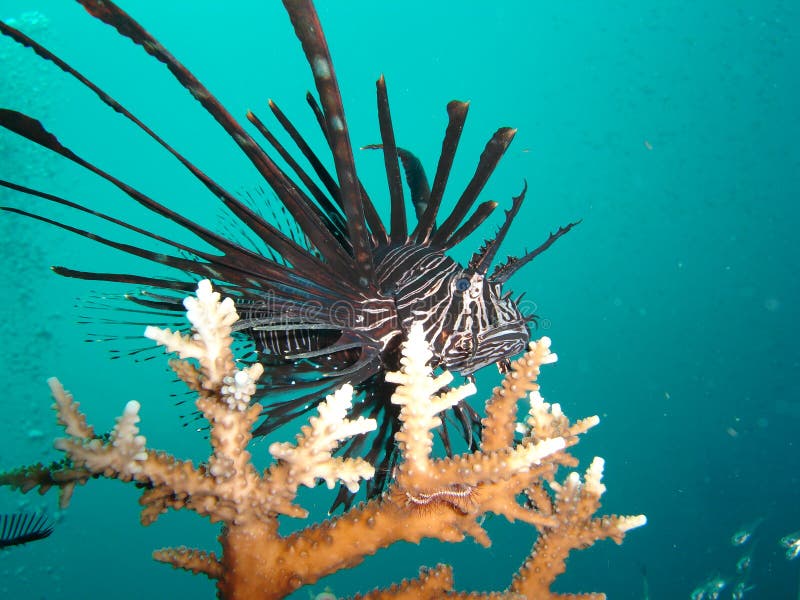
x,y
594,477
628,523
132,410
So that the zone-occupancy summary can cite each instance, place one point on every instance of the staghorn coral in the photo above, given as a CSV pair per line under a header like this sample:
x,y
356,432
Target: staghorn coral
x,y
443,498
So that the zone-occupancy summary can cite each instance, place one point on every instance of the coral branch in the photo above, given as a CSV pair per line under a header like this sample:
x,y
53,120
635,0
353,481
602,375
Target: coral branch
x,y
311,458
67,413
431,583
120,456
189,559
501,408
444,498
415,382
577,528
211,340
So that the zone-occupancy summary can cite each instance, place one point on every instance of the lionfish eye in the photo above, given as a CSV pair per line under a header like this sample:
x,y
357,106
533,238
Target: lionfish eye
x,y
462,284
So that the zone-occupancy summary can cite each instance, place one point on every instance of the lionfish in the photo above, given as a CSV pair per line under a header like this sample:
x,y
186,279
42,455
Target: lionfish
x,y
330,306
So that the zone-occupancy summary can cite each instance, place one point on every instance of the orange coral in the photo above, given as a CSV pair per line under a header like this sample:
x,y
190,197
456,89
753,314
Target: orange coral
x,y
442,498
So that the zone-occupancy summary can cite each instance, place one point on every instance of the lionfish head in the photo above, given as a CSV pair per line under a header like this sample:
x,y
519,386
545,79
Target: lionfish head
x,y
489,327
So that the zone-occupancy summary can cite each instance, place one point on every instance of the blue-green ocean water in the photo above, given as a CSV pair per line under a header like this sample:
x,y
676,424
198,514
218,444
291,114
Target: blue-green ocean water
x,y
669,127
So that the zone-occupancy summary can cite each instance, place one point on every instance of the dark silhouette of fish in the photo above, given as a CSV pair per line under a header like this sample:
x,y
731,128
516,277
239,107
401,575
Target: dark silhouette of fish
x,y
21,528
331,305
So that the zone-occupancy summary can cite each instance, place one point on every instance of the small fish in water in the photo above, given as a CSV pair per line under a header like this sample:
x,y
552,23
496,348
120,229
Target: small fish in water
x,y
327,594
792,544
21,528
745,562
740,589
745,532
714,587
710,589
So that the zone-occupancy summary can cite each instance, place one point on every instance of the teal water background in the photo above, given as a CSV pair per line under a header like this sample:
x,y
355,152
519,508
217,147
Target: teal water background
x,y
670,128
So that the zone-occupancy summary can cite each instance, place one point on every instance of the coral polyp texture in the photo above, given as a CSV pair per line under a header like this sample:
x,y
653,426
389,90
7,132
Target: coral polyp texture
x,y
513,474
